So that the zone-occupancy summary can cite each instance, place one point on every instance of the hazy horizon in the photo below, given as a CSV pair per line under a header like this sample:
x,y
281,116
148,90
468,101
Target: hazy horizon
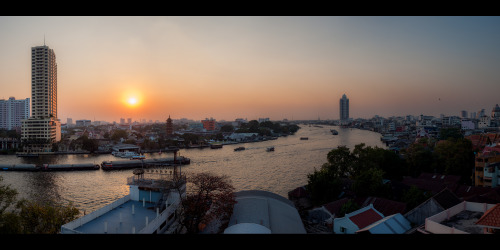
x,y
294,68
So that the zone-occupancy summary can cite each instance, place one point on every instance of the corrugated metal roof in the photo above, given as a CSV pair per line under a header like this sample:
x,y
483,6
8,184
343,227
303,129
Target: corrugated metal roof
x,y
266,209
365,218
394,224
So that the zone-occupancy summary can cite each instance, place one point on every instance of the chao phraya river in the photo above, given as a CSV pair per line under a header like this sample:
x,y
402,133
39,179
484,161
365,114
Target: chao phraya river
x,y
253,168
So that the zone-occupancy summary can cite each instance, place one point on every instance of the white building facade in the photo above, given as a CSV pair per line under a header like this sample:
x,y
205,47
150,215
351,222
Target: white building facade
x,y
12,112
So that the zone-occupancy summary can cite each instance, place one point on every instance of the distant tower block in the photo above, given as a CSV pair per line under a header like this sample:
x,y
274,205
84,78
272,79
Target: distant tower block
x,y
344,109
170,128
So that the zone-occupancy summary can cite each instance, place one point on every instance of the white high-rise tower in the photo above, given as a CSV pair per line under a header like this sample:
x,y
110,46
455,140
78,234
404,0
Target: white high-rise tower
x,y
344,109
43,128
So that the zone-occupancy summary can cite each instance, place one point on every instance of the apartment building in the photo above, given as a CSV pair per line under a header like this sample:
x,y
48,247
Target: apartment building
x,y
487,167
12,112
42,129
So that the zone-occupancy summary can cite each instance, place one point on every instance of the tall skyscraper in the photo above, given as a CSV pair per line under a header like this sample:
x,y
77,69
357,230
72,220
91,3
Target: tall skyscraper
x,y
344,109
12,112
43,128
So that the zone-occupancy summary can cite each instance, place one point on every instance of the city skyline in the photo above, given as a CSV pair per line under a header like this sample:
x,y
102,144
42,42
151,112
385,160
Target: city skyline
x,y
252,67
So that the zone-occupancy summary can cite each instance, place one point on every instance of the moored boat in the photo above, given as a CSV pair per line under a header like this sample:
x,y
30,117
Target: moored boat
x,y
270,149
334,132
239,148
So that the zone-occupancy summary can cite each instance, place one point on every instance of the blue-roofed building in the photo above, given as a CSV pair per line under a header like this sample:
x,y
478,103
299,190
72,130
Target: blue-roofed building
x,y
393,224
150,207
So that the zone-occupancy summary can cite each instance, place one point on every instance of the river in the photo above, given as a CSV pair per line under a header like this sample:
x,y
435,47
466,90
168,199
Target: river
x,y
253,168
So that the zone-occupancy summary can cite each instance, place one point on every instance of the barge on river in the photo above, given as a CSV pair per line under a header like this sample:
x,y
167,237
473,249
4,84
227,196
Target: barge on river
x,y
106,165
115,165
49,167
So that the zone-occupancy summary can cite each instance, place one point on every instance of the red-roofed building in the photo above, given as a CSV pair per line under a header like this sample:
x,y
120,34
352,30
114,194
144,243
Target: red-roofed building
x,y
490,221
359,219
385,206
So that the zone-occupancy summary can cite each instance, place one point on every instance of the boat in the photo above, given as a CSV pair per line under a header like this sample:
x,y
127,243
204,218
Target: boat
x,y
270,149
137,157
334,132
125,154
304,138
239,148
214,146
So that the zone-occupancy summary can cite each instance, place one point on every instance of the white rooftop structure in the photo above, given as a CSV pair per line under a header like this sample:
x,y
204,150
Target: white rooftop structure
x,y
263,212
149,208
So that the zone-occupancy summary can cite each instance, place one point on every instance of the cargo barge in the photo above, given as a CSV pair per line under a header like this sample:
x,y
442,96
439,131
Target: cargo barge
x,y
115,165
49,167
106,165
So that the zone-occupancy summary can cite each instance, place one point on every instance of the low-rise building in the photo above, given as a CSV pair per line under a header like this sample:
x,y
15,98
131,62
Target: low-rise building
x,y
263,212
354,221
150,207
487,167
459,219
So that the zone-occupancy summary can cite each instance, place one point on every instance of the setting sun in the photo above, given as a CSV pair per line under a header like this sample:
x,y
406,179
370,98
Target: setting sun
x,y
132,101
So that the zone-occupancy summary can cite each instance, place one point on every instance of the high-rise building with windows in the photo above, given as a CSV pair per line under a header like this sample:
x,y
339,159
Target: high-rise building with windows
x,y
43,128
12,112
344,109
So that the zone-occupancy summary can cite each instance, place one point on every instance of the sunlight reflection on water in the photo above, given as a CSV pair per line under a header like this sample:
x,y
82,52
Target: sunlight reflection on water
x,y
253,168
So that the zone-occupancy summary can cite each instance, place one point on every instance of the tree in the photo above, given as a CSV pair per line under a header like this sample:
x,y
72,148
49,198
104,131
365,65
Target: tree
x,y
323,186
413,197
371,183
32,217
118,134
8,219
446,133
455,157
227,128
419,158
348,207
340,162
211,199
45,217
388,161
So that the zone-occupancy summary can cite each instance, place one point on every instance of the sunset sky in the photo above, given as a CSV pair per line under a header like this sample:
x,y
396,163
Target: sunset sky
x,y
257,67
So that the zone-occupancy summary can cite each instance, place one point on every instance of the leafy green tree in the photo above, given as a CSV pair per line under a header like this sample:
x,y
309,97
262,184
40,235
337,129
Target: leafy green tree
x,y
348,207
45,217
90,145
371,183
419,158
389,162
32,217
413,197
8,219
455,157
446,133
340,162
227,128
118,134
323,186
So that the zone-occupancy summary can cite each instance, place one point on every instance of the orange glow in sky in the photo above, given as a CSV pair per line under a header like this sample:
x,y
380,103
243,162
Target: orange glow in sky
x,y
256,67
